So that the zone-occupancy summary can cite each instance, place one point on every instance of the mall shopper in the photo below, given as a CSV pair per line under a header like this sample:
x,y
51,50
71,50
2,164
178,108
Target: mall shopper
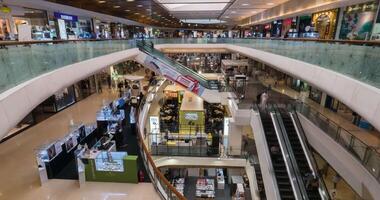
x,y
308,178
264,99
336,179
132,119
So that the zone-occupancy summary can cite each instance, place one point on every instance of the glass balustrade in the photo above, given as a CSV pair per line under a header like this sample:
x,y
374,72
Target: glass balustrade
x,y
368,156
19,63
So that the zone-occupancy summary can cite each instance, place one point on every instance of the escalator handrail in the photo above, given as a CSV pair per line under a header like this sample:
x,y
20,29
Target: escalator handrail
x,y
309,156
154,53
299,187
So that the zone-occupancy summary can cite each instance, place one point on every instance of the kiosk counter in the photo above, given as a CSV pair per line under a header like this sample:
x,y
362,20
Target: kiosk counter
x,y
191,114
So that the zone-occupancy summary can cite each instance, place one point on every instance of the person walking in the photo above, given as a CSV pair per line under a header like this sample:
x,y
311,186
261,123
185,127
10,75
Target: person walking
x,y
132,119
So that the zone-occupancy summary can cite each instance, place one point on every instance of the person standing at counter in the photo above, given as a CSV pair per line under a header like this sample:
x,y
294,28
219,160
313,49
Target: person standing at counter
x,y
132,119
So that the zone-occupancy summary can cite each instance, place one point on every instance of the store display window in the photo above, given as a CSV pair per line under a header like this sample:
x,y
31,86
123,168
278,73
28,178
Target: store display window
x,y
4,29
276,28
325,23
315,95
64,98
289,28
38,22
376,28
357,21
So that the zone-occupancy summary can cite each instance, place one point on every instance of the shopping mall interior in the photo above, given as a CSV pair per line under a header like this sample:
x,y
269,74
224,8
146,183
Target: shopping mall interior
x,y
190,99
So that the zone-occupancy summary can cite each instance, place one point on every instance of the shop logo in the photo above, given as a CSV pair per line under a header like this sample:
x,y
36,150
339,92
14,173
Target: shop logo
x,y
191,116
5,9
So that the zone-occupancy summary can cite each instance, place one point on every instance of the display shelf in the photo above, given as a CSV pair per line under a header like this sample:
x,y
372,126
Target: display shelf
x,y
179,185
205,188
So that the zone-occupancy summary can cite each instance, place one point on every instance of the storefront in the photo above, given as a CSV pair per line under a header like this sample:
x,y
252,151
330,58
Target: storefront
x,y
258,31
59,100
24,24
376,28
325,23
85,88
84,29
305,29
67,26
358,21
102,29
267,30
289,28
5,24
276,28
315,94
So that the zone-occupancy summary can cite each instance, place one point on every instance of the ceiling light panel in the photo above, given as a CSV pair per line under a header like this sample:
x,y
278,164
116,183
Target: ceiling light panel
x,y
202,21
193,1
195,7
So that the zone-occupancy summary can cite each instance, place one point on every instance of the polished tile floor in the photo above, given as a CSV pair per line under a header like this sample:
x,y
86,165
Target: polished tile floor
x,y
18,170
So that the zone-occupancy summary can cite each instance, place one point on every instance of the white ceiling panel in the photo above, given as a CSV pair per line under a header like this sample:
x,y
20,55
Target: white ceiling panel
x,y
227,10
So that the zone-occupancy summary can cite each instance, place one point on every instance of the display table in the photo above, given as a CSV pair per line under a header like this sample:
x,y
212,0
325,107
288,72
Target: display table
x,y
179,185
103,166
205,188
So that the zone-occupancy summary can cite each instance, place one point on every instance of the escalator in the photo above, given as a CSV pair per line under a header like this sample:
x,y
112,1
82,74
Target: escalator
x,y
178,73
303,157
278,162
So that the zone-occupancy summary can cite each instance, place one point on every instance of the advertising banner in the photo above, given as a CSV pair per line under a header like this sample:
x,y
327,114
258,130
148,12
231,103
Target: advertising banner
x,y
358,21
172,74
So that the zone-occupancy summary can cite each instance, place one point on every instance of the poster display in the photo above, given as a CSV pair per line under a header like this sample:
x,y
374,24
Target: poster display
x,y
376,28
325,23
358,21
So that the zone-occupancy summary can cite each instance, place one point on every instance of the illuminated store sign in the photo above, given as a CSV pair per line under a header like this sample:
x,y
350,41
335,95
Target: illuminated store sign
x,y
66,17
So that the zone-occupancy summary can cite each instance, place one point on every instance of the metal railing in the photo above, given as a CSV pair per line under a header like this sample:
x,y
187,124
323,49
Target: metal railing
x,y
368,156
20,62
159,181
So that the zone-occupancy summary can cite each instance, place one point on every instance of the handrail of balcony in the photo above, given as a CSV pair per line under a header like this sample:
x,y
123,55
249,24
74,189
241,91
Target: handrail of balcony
x,y
15,42
157,173
352,42
367,155
157,176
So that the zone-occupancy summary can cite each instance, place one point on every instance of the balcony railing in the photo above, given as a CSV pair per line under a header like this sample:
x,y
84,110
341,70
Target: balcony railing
x,y
366,155
22,61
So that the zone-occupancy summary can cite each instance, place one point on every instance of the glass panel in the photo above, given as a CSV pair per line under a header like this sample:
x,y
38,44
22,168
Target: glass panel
x,y
373,164
359,148
21,63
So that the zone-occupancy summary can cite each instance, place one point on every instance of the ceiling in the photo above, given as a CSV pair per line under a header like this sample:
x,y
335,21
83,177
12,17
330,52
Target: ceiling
x,y
177,13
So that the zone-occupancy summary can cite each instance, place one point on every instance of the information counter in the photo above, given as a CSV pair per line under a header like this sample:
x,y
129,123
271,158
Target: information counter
x,y
103,166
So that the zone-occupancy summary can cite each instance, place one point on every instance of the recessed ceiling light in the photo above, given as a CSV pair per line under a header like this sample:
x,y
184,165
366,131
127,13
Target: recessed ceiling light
x,y
116,6
148,9
101,1
270,4
139,5
137,13
130,0
127,10
245,4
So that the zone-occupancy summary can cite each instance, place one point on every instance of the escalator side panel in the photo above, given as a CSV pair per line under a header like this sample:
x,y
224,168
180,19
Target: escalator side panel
x,y
280,170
